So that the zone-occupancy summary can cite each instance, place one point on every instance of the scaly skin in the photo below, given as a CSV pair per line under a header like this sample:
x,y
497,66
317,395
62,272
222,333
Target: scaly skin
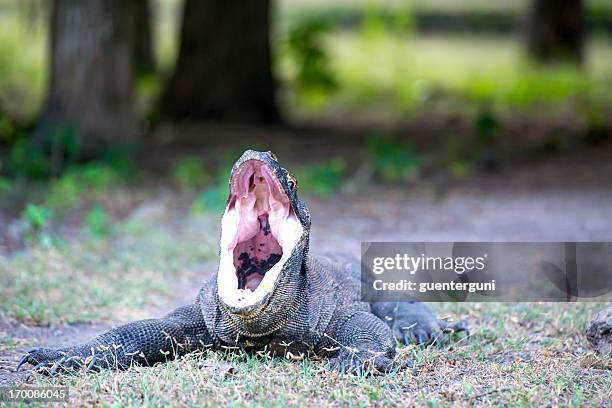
x,y
313,309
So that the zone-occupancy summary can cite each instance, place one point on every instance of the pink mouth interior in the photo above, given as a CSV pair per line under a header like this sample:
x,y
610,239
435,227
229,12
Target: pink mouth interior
x,y
262,205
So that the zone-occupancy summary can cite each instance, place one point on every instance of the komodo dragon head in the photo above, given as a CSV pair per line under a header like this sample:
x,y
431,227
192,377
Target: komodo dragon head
x,y
264,236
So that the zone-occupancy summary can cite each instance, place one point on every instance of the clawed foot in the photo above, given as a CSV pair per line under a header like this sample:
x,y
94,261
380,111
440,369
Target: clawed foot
x,y
416,323
53,362
351,361
433,331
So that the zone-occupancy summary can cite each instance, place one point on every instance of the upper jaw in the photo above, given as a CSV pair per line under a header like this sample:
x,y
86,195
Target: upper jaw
x,y
281,178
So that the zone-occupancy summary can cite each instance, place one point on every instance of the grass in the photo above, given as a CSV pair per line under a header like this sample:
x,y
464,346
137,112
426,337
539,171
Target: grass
x,y
519,355
526,354
100,277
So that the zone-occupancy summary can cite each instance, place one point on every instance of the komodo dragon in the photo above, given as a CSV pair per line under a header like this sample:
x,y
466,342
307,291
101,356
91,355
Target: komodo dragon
x,y
269,293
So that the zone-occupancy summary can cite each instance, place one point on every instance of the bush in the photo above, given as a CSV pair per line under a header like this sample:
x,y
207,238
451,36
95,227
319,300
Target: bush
x,y
314,79
98,222
36,220
322,178
189,173
393,160
89,181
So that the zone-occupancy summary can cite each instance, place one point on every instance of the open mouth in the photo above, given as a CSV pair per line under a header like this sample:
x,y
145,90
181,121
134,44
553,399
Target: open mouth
x,y
259,231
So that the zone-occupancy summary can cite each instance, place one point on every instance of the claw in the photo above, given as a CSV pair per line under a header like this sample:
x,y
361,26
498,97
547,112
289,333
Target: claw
x,y
407,339
342,368
23,360
331,366
461,326
437,339
55,369
90,366
421,337
410,364
42,368
76,362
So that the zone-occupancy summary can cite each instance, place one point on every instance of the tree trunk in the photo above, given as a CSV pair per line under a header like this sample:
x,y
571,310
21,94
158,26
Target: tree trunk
x,y
91,79
555,31
144,61
224,63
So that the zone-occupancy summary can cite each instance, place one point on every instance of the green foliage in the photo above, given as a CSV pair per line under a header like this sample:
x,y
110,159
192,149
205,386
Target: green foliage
x,y
459,168
6,184
36,220
190,174
214,198
390,74
36,217
314,79
98,222
529,86
377,22
486,127
486,124
27,160
322,178
7,130
119,159
38,161
393,160
457,160
64,148
148,91
22,65
89,181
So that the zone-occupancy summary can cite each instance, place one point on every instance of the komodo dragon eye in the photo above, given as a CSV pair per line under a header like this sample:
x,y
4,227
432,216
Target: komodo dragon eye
x,y
291,181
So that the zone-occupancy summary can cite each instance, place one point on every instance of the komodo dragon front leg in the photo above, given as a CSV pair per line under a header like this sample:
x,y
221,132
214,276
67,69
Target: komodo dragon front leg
x,y
143,342
366,345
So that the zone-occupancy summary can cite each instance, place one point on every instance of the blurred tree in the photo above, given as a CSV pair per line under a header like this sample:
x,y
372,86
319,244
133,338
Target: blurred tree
x,y
224,63
144,62
555,30
91,79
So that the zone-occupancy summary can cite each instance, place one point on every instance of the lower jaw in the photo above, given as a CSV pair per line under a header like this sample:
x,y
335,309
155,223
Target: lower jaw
x,y
250,312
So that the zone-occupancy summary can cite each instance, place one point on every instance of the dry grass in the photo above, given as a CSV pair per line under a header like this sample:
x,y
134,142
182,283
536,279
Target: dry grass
x,y
519,355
